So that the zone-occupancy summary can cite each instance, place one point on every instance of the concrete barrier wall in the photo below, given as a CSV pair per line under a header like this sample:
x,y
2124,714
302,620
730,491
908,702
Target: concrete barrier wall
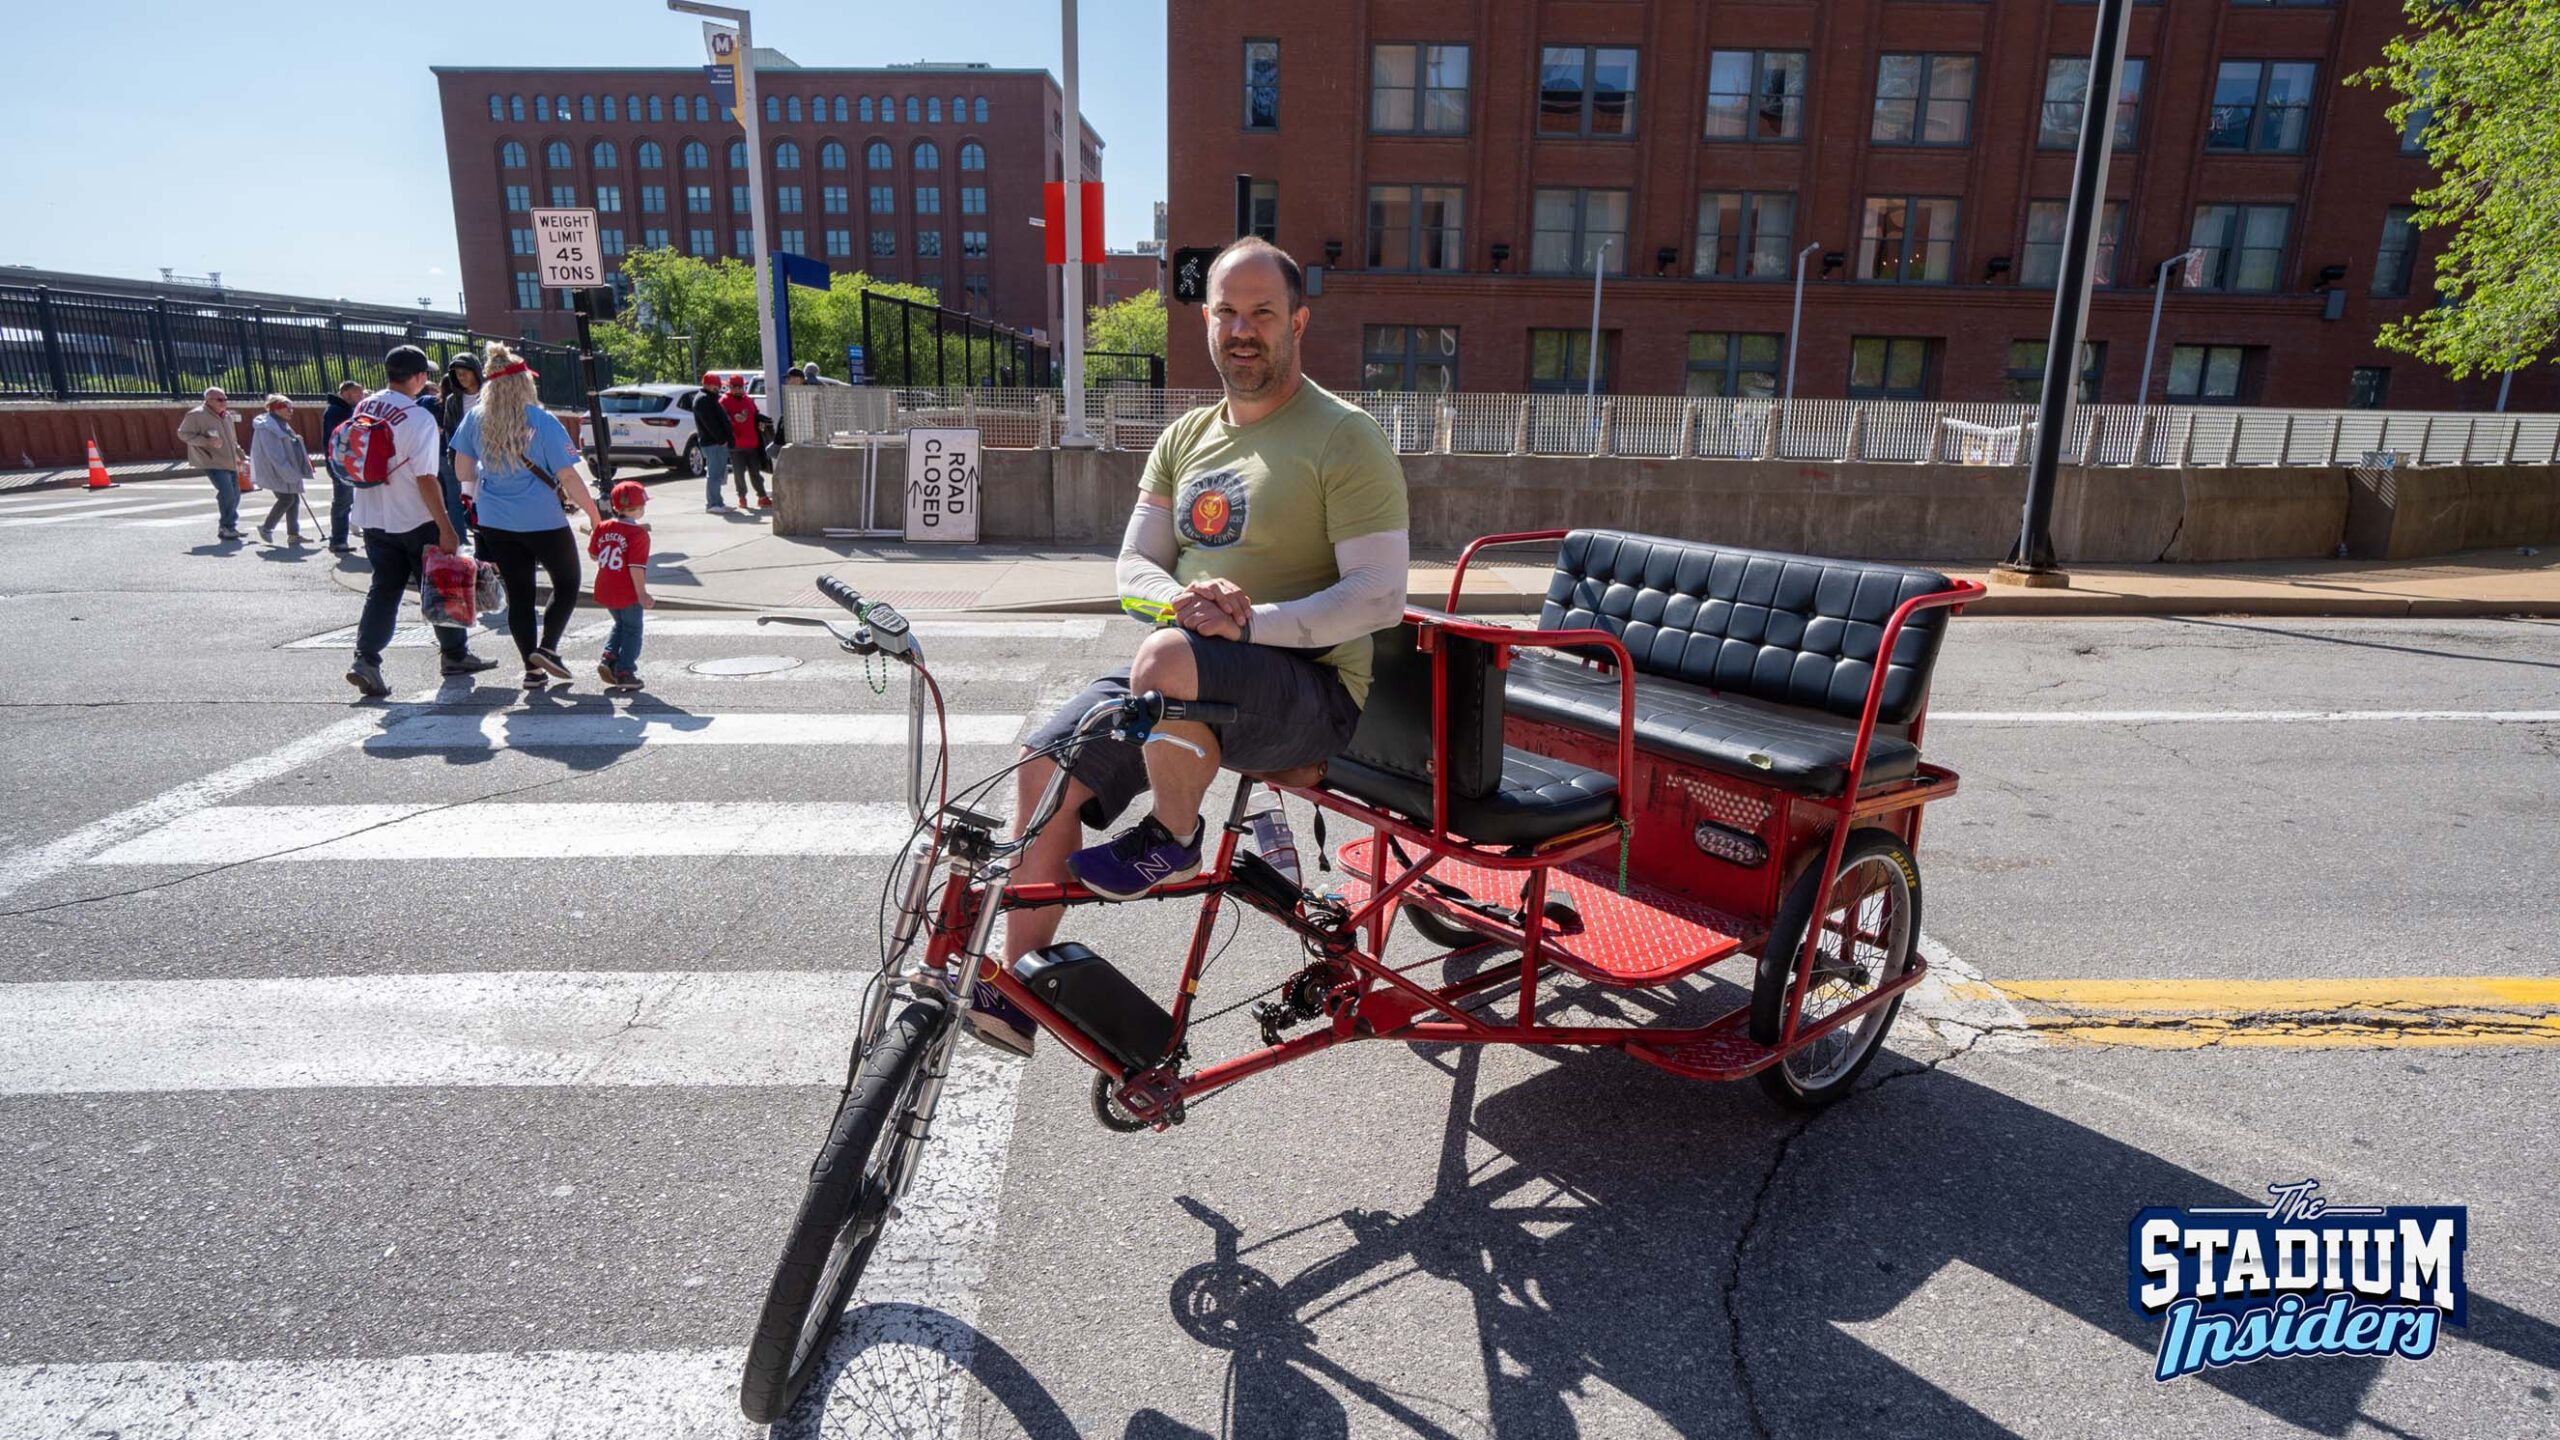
x,y
2413,513
1866,511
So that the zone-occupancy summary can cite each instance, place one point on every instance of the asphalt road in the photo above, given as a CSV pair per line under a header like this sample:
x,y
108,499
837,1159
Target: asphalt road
x,y
481,1111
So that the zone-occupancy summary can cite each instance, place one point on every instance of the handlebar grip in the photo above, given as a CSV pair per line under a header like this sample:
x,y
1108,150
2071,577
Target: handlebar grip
x,y
841,593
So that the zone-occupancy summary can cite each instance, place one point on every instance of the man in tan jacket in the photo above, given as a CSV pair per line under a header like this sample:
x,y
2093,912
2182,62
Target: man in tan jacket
x,y
213,445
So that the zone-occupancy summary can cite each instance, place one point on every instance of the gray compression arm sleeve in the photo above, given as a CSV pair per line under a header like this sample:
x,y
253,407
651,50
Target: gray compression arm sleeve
x,y
1369,596
1145,571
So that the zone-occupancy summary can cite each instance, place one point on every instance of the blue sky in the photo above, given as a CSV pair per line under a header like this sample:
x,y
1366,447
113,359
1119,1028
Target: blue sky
x,y
308,157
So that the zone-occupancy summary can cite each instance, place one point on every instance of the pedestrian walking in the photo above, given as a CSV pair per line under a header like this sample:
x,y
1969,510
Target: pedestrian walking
x,y
281,464
342,495
746,452
461,392
214,449
620,548
399,508
520,462
711,431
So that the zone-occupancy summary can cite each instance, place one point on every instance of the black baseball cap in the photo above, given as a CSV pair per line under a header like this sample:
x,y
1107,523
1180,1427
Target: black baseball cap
x,y
405,361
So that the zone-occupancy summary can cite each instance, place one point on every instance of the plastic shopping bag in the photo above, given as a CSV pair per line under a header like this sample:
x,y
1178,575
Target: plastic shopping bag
x,y
448,596
490,591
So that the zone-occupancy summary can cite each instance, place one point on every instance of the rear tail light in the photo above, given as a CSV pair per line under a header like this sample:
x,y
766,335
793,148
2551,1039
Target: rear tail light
x,y
657,420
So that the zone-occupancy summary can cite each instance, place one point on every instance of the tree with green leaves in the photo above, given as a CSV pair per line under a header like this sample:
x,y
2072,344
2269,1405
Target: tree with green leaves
x,y
1134,325
707,309
2478,78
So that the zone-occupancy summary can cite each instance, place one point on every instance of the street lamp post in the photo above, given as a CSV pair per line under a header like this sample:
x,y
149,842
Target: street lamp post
x,y
1795,324
761,271
2159,292
1071,290
1591,362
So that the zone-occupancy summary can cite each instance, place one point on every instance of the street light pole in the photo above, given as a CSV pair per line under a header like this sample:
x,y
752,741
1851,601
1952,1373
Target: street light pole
x,y
2159,292
1795,324
1071,324
1591,365
761,252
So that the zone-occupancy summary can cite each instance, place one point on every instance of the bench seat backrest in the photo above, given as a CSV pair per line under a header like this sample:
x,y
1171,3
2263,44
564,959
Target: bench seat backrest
x,y
1789,629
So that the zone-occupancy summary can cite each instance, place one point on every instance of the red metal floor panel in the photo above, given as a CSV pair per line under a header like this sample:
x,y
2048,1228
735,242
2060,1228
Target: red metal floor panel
x,y
1644,937
1726,1052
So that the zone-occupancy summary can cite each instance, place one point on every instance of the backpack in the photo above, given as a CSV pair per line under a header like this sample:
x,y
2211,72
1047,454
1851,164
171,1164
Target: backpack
x,y
365,447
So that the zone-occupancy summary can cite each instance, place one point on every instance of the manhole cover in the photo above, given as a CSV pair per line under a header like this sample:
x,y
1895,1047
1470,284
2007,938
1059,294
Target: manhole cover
x,y
745,665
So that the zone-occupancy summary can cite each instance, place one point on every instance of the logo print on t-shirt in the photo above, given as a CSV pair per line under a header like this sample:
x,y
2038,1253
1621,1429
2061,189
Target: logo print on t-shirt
x,y
1212,509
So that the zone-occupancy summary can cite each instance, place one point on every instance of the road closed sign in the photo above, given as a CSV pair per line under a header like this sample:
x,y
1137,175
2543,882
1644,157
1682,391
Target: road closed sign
x,y
942,486
566,242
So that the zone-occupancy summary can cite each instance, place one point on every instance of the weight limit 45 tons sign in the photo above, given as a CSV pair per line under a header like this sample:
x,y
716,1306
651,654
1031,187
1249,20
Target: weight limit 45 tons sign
x,y
565,240
942,486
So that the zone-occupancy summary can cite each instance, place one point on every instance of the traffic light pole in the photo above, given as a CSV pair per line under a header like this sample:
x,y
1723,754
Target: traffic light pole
x,y
587,378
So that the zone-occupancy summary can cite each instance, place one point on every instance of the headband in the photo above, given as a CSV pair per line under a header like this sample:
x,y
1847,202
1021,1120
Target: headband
x,y
515,367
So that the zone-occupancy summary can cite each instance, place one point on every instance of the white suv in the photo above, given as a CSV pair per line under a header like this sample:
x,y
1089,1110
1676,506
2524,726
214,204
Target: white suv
x,y
653,423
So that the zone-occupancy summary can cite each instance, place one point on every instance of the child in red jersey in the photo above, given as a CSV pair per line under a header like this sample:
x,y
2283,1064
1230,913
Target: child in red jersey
x,y
620,548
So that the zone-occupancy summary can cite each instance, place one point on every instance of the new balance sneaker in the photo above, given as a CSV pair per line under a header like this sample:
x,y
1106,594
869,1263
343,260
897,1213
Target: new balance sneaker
x,y
605,671
1137,860
547,659
367,677
626,680
999,1021
467,663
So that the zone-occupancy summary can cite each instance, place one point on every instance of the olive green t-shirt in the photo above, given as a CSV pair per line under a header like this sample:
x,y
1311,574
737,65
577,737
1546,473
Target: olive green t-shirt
x,y
1263,504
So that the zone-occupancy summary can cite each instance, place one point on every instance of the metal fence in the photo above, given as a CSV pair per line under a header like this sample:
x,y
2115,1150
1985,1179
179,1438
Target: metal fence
x,y
81,345
1672,426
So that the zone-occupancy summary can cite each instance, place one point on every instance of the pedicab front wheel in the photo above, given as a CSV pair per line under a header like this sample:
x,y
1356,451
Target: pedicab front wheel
x,y
841,1216
1869,929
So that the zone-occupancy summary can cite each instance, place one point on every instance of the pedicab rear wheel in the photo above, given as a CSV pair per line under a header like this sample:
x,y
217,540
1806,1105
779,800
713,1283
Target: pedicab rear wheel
x,y
1870,929
841,1215
1441,931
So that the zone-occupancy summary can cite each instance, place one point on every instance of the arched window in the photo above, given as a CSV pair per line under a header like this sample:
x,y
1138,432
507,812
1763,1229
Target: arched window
x,y
541,107
866,109
876,155
927,156
612,109
933,110
635,110
737,154
773,109
831,156
842,114
515,108
657,107
511,155
560,107
959,110
651,157
587,108
498,108
697,156
556,155
973,156
914,111
888,111
786,156
982,110
603,155
702,108
791,108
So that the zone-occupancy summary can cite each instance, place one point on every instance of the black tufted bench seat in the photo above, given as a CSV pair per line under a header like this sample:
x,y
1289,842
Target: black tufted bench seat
x,y
1753,663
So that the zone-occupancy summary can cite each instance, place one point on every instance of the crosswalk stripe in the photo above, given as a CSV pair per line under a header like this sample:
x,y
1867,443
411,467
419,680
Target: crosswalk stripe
x,y
629,830
570,730
1085,628
83,500
117,513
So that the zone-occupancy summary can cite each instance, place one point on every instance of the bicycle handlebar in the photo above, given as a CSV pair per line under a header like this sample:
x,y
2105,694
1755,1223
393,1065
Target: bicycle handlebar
x,y
886,631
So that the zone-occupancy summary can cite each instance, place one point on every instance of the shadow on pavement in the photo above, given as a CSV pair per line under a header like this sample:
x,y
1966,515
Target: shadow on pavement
x,y
905,1408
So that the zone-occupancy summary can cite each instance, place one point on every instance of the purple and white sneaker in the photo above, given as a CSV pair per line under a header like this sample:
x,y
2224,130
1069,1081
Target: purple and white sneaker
x,y
1137,860
999,1021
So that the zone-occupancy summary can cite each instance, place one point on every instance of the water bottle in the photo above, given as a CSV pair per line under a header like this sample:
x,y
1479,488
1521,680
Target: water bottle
x,y
1267,826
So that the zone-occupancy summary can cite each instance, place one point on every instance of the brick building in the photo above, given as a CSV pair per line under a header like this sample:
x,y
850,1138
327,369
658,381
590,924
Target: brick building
x,y
1454,165
922,173
1124,273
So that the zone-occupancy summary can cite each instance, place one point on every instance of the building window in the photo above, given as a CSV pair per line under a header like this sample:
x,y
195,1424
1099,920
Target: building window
x,y
515,108
928,199
773,109
1908,239
2066,94
564,197
1755,95
634,109
973,244
791,109
836,200
927,156
737,154
1923,100
497,108
975,286
609,199
2024,382
1888,367
2040,263
657,110
1560,361
2261,105
611,239
932,116
973,156
1262,209
2243,245
696,155
913,115
1416,227
884,243
738,199
786,156
929,244
542,108
556,155
528,291
1409,357
831,156
2207,374
702,109
697,197
876,155
651,157
839,244
795,242
519,197
511,155
786,199
2396,257
841,111
1744,235
1571,226
519,239
1586,90
2368,387
1733,366
884,199
1418,89
700,242
978,110
973,199
602,155
587,107
742,242
655,238
612,110
1261,85
653,199
864,109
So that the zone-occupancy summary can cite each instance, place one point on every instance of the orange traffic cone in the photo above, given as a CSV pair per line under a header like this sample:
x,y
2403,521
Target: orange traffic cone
x,y
97,468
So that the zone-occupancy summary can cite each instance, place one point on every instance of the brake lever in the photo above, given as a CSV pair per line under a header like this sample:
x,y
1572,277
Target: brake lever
x,y
853,638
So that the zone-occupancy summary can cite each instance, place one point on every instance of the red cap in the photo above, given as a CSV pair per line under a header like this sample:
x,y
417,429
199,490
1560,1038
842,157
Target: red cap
x,y
630,495
737,382
710,381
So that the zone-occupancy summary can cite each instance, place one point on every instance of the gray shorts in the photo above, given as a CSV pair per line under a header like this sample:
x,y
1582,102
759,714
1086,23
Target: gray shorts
x,y
1291,711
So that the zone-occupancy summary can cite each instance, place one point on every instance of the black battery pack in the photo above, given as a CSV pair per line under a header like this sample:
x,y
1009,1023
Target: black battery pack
x,y
1100,1001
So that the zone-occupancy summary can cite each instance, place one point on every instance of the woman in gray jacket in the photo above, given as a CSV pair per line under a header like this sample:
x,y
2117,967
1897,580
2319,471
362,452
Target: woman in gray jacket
x,y
280,464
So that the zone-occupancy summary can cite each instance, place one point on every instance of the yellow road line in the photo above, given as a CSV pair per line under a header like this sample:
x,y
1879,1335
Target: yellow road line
x,y
2433,1012
2490,992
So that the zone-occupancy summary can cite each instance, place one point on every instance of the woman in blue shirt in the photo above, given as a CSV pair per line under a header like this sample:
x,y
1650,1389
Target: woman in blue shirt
x,y
525,470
